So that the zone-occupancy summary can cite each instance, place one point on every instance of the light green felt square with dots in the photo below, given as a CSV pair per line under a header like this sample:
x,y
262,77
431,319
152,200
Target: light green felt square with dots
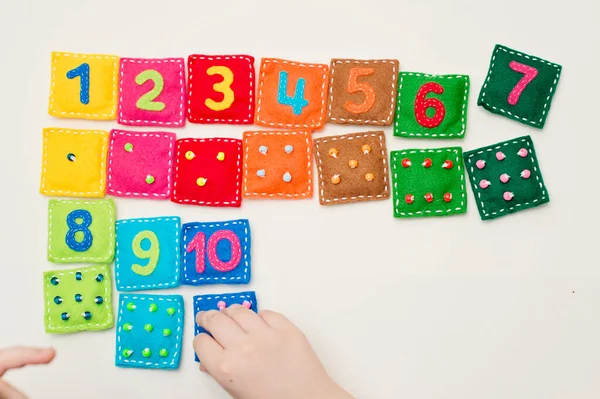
x,y
453,98
101,231
437,174
78,300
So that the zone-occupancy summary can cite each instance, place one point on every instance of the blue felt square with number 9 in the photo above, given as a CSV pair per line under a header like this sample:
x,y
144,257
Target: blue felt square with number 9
x,y
148,253
216,253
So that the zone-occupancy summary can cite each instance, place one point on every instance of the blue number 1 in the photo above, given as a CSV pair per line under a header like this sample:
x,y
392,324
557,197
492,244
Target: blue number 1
x,y
298,101
83,71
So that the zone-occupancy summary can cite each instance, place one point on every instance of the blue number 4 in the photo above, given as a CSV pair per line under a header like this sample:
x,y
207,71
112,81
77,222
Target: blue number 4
x,y
298,101
83,71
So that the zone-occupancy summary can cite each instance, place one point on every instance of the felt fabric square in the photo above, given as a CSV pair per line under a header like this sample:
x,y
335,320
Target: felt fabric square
x,y
519,86
278,164
84,86
428,182
431,106
78,300
81,231
208,172
221,89
362,92
149,331
506,177
147,255
352,167
152,92
140,164
291,94
74,162
203,303
217,253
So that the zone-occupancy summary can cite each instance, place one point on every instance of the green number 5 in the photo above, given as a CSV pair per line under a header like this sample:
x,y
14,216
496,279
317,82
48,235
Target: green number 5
x,y
146,102
151,254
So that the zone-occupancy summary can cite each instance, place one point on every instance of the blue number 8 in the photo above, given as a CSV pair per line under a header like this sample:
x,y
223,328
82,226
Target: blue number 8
x,y
74,227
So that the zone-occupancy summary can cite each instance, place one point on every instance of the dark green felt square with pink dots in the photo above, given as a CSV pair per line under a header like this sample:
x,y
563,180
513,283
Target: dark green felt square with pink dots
x,y
506,177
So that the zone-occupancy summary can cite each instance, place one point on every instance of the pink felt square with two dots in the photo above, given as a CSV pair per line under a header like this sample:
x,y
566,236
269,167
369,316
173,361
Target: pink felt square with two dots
x,y
152,92
140,164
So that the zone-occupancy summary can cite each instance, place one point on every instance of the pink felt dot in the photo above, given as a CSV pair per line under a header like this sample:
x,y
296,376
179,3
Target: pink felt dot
x,y
480,164
246,304
504,178
221,305
525,174
484,183
508,196
523,152
500,156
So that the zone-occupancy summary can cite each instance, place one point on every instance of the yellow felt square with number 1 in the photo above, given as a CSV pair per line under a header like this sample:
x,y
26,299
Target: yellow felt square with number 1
x,y
74,162
84,86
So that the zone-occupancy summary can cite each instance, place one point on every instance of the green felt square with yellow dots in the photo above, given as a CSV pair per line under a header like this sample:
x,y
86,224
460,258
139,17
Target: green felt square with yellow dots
x,y
78,299
428,182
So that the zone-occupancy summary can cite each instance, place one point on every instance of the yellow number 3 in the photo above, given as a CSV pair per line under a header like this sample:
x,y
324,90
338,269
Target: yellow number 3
x,y
221,87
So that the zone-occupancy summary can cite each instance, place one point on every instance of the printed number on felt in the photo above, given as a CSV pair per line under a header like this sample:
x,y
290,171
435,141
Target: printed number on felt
x,y
298,102
354,86
422,104
146,102
202,249
529,73
79,237
83,72
223,87
152,253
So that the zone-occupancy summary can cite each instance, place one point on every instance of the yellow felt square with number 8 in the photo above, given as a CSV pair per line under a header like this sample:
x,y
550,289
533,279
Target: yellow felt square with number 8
x,y
74,162
84,86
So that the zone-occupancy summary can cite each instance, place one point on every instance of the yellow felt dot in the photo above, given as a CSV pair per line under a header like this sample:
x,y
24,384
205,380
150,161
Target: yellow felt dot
x,y
190,155
335,179
369,177
201,181
366,149
333,152
221,156
353,163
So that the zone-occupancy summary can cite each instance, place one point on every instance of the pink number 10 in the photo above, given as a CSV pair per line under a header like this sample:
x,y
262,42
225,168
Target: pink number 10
x,y
198,244
529,73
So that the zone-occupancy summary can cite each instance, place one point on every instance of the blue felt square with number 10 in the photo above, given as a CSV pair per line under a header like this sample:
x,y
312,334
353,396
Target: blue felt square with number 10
x,y
148,253
216,253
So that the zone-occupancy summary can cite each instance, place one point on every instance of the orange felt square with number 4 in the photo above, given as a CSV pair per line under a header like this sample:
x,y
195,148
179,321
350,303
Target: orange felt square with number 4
x,y
291,94
278,164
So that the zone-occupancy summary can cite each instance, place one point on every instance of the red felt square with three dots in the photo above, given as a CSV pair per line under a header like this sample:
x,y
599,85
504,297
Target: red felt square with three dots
x,y
208,172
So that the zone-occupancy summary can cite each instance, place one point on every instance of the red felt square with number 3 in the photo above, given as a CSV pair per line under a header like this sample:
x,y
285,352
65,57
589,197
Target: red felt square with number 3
x,y
208,172
221,89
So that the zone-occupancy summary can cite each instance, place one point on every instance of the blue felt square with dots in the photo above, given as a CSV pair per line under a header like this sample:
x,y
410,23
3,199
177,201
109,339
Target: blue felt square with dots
x,y
203,303
149,331
148,253
216,253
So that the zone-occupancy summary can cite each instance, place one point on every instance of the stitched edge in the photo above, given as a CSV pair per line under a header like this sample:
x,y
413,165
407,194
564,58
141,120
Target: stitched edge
x,y
529,57
458,161
168,136
390,117
175,281
245,250
308,140
312,124
55,112
140,122
463,115
352,136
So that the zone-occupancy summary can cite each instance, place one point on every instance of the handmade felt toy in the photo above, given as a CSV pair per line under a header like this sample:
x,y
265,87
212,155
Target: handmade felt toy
x,y
74,162
152,92
81,231
149,331
352,167
221,89
78,299
216,253
428,182
278,164
140,164
519,86
362,92
291,94
431,106
148,253
84,86
506,177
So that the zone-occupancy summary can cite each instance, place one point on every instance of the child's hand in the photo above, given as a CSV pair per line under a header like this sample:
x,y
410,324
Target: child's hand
x,y
261,356
14,358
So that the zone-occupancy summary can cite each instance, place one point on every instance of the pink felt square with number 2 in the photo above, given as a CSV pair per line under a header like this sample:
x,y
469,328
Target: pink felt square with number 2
x,y
140,164
152,92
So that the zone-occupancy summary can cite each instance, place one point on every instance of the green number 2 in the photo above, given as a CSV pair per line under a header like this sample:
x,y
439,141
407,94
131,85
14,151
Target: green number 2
x,y
146,102
151,254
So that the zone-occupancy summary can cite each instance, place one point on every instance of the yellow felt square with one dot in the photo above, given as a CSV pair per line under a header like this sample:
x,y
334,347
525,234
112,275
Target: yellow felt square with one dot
x,y
84,86
74,162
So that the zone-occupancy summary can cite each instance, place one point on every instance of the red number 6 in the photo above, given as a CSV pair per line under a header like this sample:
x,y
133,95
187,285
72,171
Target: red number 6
x,y
422,103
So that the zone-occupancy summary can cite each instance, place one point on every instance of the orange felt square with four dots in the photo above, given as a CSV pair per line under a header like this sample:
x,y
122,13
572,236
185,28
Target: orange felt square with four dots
x,y
291,94
278,164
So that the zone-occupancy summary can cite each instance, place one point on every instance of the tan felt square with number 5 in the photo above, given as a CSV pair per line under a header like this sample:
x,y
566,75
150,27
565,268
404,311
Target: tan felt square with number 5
x,y
362,92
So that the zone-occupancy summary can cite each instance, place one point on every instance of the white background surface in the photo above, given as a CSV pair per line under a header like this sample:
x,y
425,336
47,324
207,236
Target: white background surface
x,y
424,308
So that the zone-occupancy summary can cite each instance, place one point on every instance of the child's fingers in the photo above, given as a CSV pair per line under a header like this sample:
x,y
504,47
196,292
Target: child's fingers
x,y
222,327
13,358
245,318
208,350
7,391
275,320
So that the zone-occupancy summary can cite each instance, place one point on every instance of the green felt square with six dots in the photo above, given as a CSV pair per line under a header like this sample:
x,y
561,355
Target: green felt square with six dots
x,y
506,177
428,182
78,299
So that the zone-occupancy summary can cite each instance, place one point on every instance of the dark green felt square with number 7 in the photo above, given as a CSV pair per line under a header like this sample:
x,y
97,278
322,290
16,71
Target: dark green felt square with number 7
x,y
431,106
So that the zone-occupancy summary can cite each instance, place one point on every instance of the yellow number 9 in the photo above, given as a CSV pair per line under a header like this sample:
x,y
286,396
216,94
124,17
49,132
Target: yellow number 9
x,y
151,254
221,87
